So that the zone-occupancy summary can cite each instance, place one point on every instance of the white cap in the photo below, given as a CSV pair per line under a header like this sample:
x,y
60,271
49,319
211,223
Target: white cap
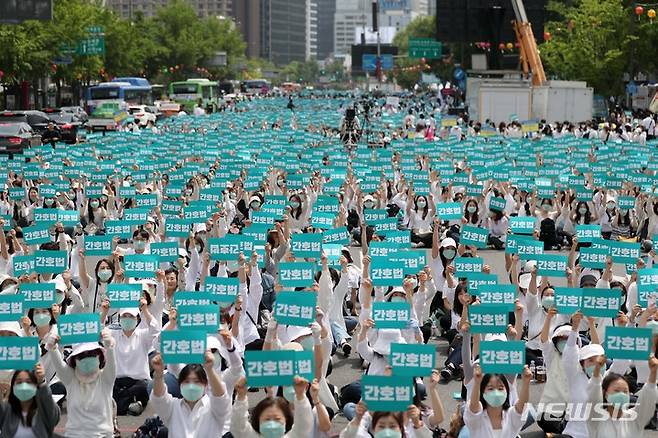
x,y
590,350
561,331
133,311
200,227
395,290
11,326
386,337
83,348
448,241
292,346
290,333
495,337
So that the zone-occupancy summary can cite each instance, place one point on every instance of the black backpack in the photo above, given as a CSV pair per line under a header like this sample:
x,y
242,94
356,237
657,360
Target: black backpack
x,y
547,233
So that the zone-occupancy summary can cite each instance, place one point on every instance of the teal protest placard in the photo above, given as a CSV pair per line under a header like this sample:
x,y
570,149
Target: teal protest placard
x,y
45,216
50,262
371,215
384,273
490,318
412,261
585,233
333,252
98,245
257,233
38,295
627,343
568,300
135,216
19,353
467,265
387,393
11,307
79,327
552,265
502,357
296,274
338,235
277,368
306,245
603,303
474,236
626,202
176,227
295,308
37,234
391,315
647,286
412,359
224,289
624,252
23,264
183,346
497,204
323,220
386,225
118,228
182,298
522,225
140,265
503,294
402,237
68,218
594,258
448,211
477,279
204,318
166,251
383,248
230,246
262,217
124,295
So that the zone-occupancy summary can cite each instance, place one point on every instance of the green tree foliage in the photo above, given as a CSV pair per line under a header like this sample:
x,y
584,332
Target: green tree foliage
x,y
590,41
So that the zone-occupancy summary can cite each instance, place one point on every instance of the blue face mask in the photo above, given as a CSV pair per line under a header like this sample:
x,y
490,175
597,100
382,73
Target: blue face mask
x,y
104,274
289,393
495,398
398,300
548,302
307,343
41,319
619,398
25,391
272,429
128,324
88,365
192,391
560,346
388,433
590,370
139,245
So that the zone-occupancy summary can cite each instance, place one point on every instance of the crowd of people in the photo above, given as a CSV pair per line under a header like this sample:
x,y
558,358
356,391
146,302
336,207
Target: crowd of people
x,y
239,197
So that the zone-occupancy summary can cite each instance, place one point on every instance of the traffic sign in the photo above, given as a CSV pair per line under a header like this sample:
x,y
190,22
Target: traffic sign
x,y
96,30
425,48
91,46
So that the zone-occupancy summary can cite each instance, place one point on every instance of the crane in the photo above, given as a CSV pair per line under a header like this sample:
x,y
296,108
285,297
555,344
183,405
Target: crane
x,y
529,54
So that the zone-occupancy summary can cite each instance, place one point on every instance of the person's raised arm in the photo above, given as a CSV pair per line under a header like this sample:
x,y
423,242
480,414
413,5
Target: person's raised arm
x,y
524,391
436,244
438,413
474,404
4,253
214,379
324,422
82,269
545,331
159,387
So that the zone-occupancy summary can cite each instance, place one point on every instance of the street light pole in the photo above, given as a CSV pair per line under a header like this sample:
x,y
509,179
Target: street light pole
x,y
375,28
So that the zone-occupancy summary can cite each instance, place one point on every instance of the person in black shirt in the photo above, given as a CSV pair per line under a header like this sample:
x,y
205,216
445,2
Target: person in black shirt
x,y
51,135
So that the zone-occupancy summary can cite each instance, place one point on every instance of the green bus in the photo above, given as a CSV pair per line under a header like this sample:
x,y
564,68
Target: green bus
x,y
190,91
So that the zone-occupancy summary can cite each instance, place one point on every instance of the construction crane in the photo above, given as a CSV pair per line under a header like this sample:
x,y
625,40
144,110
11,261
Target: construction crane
x,y
529,54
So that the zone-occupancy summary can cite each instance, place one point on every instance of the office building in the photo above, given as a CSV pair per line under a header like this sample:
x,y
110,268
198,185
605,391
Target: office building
x,y
326,12
247,16
284,36
204,8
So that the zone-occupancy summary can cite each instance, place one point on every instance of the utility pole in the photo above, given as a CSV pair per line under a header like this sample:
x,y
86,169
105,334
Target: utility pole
x,y
375,28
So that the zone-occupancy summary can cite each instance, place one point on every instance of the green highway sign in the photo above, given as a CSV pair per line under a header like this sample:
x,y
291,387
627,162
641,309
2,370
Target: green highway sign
x,y
91,46
96,30
425,48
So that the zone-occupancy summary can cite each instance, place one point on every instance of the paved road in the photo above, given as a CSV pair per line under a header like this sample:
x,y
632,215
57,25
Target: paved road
x,y
348,370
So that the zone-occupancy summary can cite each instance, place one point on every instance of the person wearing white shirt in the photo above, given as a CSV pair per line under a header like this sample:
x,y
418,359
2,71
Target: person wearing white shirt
x,y
649,125
132,348
198,110
488,413
202,411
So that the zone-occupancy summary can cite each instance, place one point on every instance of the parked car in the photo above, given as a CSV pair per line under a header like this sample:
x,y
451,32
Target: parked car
x,y
142,114
79,112
15,137
68,125
38,120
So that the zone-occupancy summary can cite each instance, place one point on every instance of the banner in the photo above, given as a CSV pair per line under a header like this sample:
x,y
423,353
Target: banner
x,y
449,211
522,225
278,367
569,300
19,353
467,265
552,265
586,233
204,318
183,346
296,274
229,247
306,245
124,295
490,318
79,327
384,272
476,279
386,393
166,251
593,258
412,359
474,236
601,303
628,343
50,262
502,294
11,307
38,295
391,315
183,298
140,265
502,357
98,245
224,289
295,308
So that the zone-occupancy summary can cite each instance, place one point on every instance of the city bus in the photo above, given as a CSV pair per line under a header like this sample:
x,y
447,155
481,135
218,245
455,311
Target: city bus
x,y
256,86
127,91
190,91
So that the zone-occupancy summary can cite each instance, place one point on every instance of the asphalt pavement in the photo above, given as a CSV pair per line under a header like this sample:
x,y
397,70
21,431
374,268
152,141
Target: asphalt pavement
x,y
346,370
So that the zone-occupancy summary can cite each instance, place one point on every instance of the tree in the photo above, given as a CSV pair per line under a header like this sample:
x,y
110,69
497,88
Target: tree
x,y
305,72
590,42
